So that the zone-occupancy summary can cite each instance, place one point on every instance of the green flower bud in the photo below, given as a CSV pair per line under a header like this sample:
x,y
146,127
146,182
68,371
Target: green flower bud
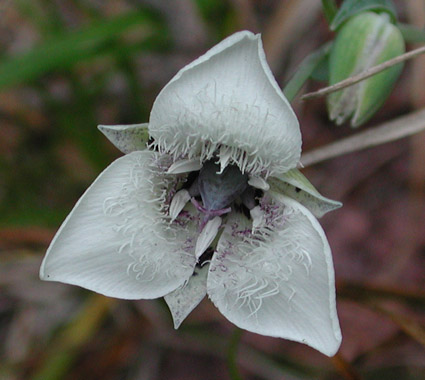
x,y
365,40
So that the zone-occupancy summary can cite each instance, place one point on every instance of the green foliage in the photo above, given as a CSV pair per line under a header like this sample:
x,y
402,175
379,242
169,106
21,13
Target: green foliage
x,y
219,16
330,9
350,8
321,71
411,34
305,70
65,50
395,373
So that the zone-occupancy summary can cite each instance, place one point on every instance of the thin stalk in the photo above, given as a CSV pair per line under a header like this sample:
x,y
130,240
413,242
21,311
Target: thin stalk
x,y
304,71
365,74
232,354
396,129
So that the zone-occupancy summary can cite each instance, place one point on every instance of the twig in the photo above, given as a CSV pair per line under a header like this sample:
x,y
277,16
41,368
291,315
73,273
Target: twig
x,y
364,75
396,129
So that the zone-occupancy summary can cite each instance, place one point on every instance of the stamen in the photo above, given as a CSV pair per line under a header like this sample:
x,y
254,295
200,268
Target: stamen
x,y
178,202
257,215
207,236
259,183
185,166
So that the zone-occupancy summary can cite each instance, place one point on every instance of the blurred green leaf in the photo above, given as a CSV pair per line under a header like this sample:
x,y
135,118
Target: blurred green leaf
x,y
65,50
304,71
219,15
200,339
65,347
330,9
411,34
350,8
321,72
395,373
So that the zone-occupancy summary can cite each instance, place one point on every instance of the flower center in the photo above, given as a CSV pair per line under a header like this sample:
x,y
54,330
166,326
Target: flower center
x,y
219,190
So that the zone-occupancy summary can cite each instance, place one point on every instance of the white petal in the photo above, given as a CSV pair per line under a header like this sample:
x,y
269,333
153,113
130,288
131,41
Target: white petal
x,y
118,240
228,97
127,138
184,299
178,202
295,185
279,283
207,236
185,166
259,183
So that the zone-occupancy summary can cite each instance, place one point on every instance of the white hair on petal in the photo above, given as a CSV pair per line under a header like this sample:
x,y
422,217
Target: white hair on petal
x,y
204,127
140,216
261,269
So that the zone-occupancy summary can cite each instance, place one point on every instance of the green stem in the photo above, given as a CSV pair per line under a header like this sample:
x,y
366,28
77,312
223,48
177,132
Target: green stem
x,y
232,355
411,34
329,10
304,71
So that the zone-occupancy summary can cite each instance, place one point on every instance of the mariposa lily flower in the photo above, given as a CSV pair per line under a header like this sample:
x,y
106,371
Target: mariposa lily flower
x,y
213,205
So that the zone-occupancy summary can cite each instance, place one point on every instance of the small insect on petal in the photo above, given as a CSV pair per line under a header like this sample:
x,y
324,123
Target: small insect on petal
x,y
207,236
178,202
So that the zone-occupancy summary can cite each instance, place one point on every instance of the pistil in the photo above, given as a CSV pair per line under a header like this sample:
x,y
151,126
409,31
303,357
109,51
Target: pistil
x,y
218,189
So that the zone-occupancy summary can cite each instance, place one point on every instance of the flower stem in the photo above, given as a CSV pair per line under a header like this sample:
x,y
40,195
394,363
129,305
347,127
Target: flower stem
x,y
304,71
232,352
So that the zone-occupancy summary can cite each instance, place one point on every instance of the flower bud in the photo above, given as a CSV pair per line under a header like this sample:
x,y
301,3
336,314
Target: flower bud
x,y
365,40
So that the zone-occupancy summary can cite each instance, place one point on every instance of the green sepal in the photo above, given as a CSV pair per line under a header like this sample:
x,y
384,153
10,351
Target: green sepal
x,y
295,185
350,8
127,138
364,41
374,91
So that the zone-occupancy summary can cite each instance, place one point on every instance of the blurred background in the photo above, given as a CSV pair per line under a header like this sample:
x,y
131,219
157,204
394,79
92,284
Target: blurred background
x,y
67,66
